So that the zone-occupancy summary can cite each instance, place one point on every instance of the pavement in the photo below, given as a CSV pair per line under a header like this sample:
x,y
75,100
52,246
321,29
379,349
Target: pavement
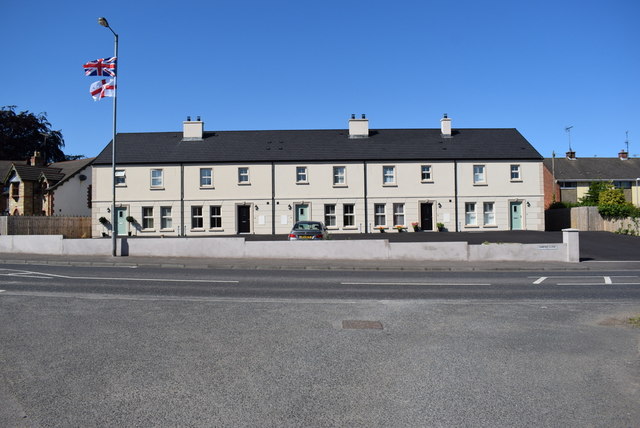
x,y
598,251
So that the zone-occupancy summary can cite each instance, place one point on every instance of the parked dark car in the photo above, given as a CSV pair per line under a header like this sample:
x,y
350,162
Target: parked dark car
x,y
308,230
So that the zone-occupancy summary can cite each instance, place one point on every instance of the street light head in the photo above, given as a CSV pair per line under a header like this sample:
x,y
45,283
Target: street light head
x,y
103,21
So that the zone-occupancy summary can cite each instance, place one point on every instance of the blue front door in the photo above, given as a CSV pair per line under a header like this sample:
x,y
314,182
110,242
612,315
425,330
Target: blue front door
x,y
302,212
121,217
516,215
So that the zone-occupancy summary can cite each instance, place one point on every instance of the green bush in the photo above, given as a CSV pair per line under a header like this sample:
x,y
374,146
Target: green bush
x,y
625,210
592,197
612,197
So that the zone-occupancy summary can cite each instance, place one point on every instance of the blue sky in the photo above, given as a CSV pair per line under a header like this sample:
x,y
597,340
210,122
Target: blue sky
x,y
537,66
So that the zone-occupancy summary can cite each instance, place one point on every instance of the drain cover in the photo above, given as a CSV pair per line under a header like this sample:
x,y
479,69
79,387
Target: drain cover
x,y
362,325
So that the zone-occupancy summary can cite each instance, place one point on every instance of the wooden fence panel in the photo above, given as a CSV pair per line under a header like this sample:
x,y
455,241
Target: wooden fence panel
x,y
68,227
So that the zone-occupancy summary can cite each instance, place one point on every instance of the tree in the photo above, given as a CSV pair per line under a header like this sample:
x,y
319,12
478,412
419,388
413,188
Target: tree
x,y
592,197
612,197
23,133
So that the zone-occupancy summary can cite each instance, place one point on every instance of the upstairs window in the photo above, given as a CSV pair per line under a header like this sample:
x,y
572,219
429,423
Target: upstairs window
x,y
479,174
243,175
425,173
515,173
157,178
388,175
301,175
206,177
339,175
121,177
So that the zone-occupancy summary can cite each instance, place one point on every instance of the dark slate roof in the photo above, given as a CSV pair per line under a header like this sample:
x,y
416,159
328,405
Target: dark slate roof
x,y
319,145
594,168
32,173
5,167
68,169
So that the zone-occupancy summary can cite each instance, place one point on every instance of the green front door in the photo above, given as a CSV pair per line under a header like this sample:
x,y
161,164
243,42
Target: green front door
x,y
516,215
302,212
121,217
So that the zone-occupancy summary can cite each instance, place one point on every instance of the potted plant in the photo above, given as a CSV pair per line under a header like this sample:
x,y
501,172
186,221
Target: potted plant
x,y
440,227
380,229
416,226
400,228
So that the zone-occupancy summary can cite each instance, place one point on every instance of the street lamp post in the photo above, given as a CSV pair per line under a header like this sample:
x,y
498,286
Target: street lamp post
x,y
114,219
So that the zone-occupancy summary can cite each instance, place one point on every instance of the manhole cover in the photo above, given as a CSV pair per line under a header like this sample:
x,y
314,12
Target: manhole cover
x,y
362,325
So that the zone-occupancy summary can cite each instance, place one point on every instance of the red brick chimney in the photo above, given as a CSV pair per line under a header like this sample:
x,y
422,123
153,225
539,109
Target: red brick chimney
x,y
36,159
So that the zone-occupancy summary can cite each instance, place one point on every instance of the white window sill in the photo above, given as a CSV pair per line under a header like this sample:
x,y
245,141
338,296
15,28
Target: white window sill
x,y
471,226
302,182
480,184
389,185
206,187
426,181
519,180
490,226
216,229
167,230
197,230
156,188
244,183
340,185
350,228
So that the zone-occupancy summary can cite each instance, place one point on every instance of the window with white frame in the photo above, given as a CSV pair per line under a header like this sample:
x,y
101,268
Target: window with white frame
x,y
147,217
243,175
398,214
380,218
388,175
301,174
489,214
339,175
166,221
215,216
157,178
330,215
121,177
479,174
470,214
515,173
206,177
348,215
196,217
425,173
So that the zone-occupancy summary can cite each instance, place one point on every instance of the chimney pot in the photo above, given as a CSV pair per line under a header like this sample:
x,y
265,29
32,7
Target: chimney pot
x,y
571,155
192,131
445,126
358,128
364,116
623,155
198,118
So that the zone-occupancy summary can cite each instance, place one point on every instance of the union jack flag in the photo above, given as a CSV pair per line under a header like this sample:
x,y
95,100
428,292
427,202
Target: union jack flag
x,y
101,67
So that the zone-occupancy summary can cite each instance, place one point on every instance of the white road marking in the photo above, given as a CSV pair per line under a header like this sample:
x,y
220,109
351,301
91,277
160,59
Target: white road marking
x,y
43,275
607,280
405,283
539,280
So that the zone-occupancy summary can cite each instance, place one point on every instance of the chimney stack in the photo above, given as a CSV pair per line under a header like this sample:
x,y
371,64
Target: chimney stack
x,y
36,159
445,126
623,155
192,130
358,128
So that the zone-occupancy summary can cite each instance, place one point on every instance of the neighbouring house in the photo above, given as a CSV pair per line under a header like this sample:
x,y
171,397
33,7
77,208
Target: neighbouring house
x,y
210,183
567,179
5,166
60,188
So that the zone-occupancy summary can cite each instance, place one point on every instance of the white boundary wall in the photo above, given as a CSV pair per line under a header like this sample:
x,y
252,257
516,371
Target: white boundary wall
x,y
378,249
